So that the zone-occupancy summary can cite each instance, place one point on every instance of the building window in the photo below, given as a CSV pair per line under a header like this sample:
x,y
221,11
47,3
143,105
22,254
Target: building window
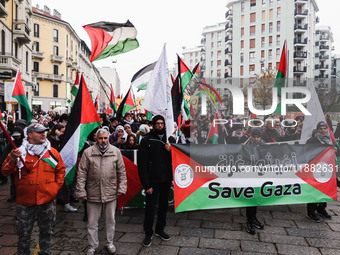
x,y
270,66
262,68
270,27
270,41
55,69
262,55
251,69
278,13
263,15
219,53
242,7
212,54
191,54
36,66
66,40
55,90
218,73
277,65
36,46
252,30
252,17
219,63
3,42
270,54
196,54
27,61
241,70
242,57
263,29
36,28
242,45
212,73
242,20
271,2
263,3
16,47
212,35
55,35
252,57
242,32
278,1
278,40
277,53
56,50
278,26
270,14
219,44
212,45
219,36
212,63
36,89
262,42
252,43
252,4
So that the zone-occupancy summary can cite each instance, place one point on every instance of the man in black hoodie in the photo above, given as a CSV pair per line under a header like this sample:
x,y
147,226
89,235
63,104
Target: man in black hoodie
x,y
155,173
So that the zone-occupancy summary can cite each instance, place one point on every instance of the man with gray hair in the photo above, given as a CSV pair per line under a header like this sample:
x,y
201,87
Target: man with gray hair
x,y
99,168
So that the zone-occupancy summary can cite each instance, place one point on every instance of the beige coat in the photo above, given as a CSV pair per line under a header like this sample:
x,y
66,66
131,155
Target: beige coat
x,y
98,174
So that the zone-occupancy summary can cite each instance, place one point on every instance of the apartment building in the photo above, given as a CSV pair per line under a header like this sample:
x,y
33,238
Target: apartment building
x,y
256,31
323,52
15,46
58,53
192,56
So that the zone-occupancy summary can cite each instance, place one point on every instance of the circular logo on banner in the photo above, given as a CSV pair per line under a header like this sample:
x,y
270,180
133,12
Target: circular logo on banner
x,y
184,175
322,172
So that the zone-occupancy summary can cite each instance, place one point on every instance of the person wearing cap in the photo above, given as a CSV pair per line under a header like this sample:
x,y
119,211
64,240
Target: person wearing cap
x,y
322,137
37,187
155,174
252,222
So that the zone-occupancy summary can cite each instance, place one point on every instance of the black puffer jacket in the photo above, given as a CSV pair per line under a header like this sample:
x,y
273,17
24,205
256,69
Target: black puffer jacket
x,y
154,162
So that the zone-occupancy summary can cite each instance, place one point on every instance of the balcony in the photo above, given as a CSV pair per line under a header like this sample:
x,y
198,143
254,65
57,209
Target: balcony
x,y
324,38
3,11
228,27
300,54
37,54
323,57
324,47
317,67
203,41
21,32
45,76
229,15
323,76
298,83
300,14
228,51
301,1
228,38
226,75
56,58
227,62
68,62
323,67
8,63
300,69
300,41
300,27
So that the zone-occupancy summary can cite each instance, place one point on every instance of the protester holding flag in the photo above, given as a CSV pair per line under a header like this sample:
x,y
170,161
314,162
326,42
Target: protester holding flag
x,y
46,169
155,173
100,167
322,136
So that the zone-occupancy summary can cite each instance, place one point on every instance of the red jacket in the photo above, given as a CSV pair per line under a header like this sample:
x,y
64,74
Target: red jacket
x,y
41,184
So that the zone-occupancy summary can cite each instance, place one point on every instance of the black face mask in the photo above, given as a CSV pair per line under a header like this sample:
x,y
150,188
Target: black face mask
x,y
160,132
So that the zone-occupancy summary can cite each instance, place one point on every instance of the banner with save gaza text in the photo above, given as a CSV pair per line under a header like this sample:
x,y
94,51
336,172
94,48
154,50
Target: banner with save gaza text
x,y
225,176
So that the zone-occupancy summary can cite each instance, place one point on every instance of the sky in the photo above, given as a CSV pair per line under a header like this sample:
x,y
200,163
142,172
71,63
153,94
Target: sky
x,y
176,23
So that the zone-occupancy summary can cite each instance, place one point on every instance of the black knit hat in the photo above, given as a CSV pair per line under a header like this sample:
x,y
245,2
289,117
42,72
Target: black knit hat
x,y
157,117
256,131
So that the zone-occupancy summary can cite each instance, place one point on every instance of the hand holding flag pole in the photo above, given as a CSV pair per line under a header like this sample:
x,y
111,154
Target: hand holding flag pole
x,y
12,144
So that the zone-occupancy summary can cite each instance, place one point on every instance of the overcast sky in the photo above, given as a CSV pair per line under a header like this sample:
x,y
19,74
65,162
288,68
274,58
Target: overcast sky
x,y
176,23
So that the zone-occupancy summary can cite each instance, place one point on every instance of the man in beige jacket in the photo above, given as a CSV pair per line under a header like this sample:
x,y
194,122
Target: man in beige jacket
x,y
99,168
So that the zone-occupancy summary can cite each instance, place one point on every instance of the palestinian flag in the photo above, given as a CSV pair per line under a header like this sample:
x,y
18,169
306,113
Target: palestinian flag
x,y
113,101
280,81
141,78
213,132
177,97
75,87
110,38
205,180
2,116
184,73
20,95
83,120
96,103
50,159
126,105
196,70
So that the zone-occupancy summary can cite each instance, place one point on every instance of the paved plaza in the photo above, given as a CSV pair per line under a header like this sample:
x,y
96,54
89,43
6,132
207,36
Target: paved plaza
x,y
287,231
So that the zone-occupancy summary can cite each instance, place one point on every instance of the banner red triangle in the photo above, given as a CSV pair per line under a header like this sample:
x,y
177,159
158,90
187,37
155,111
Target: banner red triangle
x,y
180,161
319,175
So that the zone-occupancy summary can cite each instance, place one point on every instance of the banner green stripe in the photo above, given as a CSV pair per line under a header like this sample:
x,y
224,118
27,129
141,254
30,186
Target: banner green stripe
x,y
23,101
199,200
121,47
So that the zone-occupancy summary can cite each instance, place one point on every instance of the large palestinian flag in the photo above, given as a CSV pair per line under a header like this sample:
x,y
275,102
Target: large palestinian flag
x,y
83,120
110,38
20,95
281,76
126,105
185,73
220,176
